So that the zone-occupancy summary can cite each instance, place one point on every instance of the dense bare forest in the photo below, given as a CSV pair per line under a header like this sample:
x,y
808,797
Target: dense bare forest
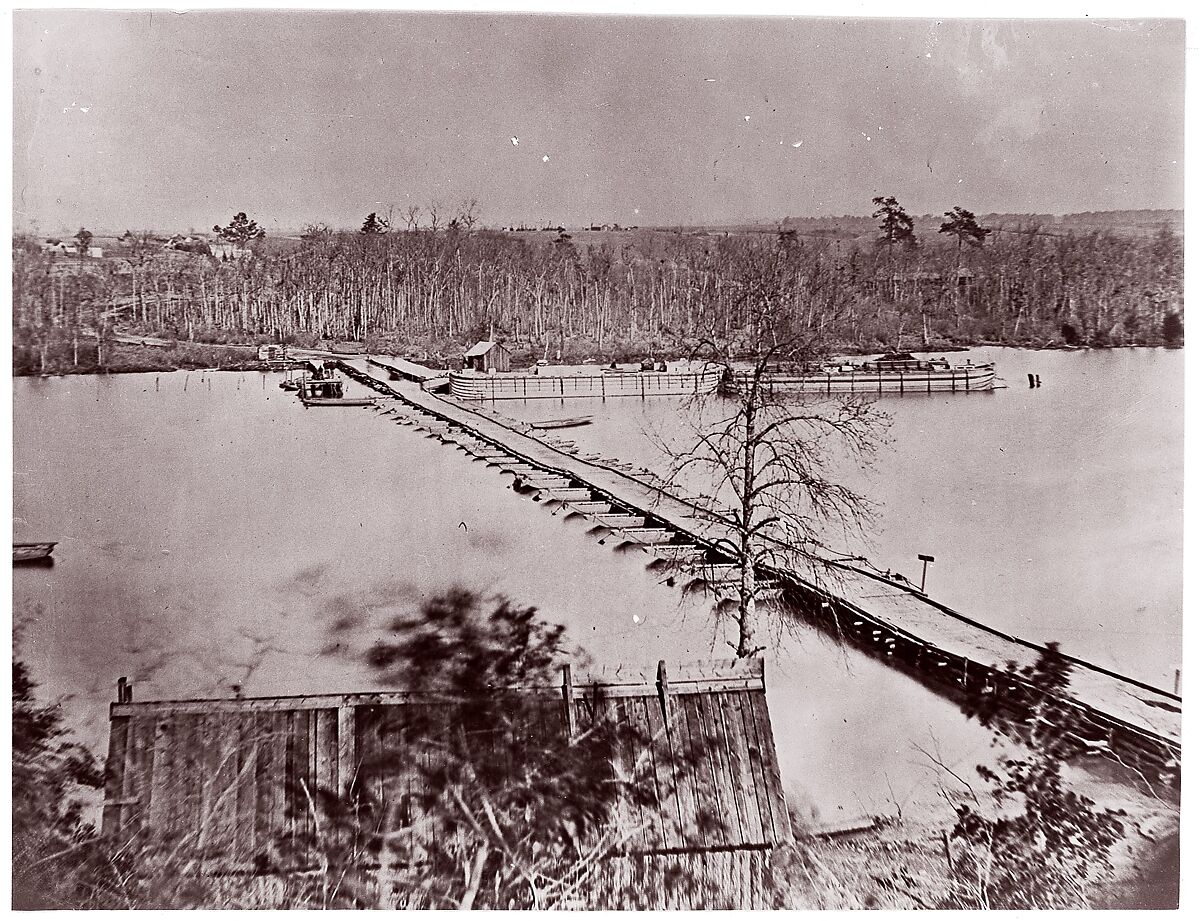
x,y
602,294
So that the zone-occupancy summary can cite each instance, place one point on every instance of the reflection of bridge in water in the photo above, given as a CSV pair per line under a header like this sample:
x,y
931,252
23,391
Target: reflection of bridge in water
x,y
1118,717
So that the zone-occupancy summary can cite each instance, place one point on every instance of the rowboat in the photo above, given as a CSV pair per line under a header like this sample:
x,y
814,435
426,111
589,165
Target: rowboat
x,y
33,552
561,423
895,372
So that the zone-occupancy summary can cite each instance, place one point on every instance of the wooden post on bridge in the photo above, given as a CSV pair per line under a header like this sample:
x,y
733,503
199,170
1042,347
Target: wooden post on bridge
x,y
925,561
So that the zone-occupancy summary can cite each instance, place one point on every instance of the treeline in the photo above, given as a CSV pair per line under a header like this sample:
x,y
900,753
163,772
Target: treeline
x,y
657,288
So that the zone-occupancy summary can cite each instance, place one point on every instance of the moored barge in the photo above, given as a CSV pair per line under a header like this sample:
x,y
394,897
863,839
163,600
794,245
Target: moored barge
x,y
895,372
474,385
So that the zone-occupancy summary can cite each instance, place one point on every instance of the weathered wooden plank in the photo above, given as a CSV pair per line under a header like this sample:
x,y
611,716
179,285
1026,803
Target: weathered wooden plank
x,y
400,783
244,798
138,765
646,714
620,520
282,825
743,771
591,507
648,535
665,775
347,756
703,674
717,756
364,787
684,766
301,779
696,766
728,744
164,780
326,750
774,782
266,773
637,830
757,768
191,782
114,775
228,850
327,769
208,761
423,826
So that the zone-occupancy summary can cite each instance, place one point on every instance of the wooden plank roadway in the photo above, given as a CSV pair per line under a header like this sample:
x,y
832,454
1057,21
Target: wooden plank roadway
x,y
899,610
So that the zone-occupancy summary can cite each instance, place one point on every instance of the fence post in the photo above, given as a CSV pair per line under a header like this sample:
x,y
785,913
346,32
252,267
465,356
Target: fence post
x,y
663,689
568,692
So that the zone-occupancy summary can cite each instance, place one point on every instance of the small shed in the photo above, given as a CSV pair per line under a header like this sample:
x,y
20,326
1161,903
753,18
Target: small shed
x,y
487,357
225,784
272,352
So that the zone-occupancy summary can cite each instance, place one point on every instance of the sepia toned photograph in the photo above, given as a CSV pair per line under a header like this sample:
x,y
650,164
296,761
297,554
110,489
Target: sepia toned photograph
x,y
658,461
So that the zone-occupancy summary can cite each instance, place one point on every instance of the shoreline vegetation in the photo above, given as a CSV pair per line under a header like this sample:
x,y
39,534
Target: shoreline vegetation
x,y
133,358
432,290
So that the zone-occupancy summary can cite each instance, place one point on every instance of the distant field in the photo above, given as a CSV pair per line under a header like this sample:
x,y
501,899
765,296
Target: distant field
x,y
863,229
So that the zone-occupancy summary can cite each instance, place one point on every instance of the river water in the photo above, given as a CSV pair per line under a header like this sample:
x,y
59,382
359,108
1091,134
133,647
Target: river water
x,y
212,532
1055,513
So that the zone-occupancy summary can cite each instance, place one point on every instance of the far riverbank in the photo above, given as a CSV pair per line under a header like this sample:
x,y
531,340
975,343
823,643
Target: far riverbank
x,y
127,356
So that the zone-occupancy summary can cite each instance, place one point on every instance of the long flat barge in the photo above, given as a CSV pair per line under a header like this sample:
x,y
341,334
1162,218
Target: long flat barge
x,y
1116,716
474,385
892,373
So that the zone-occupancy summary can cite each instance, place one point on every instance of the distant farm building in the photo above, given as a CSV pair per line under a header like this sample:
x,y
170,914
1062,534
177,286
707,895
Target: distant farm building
x,y
487,357
230,787
225,250
70,248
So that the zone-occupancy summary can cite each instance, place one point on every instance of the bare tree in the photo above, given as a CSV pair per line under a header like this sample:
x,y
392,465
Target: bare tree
x,y
767,452
468,214
412,217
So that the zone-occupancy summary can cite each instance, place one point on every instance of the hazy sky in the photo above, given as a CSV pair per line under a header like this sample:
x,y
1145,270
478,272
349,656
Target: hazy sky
x,y
164,120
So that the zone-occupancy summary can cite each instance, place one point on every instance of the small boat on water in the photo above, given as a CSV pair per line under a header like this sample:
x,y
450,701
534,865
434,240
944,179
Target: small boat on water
x,y
561,423
895,372
33,552
328,391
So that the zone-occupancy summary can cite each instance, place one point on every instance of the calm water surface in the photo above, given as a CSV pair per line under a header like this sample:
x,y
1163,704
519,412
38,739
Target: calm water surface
x,y
212,531
1054,513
